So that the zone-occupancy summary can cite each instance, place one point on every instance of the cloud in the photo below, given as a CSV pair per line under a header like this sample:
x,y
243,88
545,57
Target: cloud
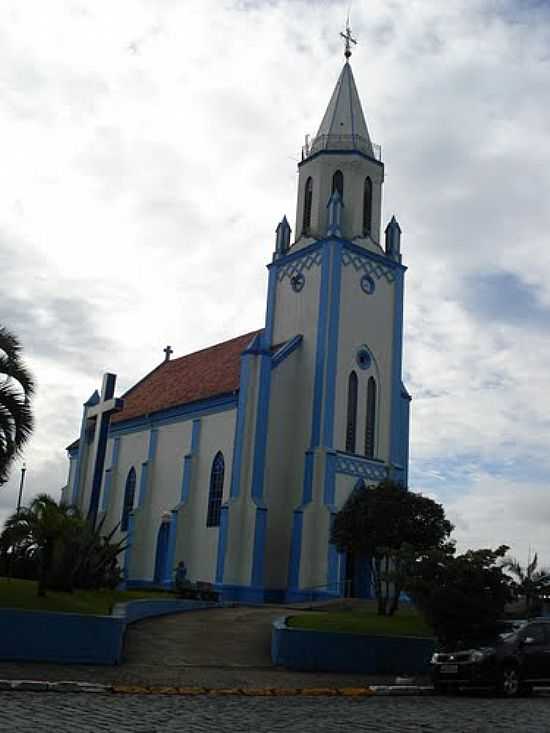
x,y
146,172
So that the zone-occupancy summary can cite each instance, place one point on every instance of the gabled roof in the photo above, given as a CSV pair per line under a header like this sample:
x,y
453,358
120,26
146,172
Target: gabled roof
x,y
344,122
207,373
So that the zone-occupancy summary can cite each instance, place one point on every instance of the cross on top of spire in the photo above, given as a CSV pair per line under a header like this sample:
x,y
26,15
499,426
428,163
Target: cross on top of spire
x,y
168,351
348,39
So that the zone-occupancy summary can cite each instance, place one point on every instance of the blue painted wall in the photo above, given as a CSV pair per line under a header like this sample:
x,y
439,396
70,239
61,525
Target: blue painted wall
x,y
319,651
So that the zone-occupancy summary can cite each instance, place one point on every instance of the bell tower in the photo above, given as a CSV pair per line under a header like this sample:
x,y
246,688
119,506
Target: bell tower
x,y
341,157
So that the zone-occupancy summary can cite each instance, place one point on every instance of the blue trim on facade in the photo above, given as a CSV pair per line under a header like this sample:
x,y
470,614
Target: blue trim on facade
x,y
295,556
308,478
330,480
128,551
320,350
195,435
79,459
396,452
186,478
267,335
246,365
146,466
109,476
285,351
260,439
171,415
367,254
171,554
332,345
295,549
222,542
258,559
340,152
296,255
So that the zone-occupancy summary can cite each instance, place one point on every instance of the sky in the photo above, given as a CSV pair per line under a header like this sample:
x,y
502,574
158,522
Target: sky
x,y
148,149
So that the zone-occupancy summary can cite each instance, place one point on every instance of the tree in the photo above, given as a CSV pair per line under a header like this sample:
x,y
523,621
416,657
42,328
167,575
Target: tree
x,y
46,531
16,390
529,581
393,527
461,596
69,552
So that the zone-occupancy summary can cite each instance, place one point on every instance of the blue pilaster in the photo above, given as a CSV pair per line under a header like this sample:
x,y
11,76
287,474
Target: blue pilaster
x,y
146,467
320,349
109,476
332,344
258,560
170,554
396,437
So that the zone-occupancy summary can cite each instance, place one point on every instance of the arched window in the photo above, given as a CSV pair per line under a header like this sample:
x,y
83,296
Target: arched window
x,y
216,491
367,206
129,496
351,424
308,201
371,418
338,183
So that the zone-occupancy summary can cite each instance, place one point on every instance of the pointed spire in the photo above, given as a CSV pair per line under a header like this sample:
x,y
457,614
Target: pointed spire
x,y
344,126
282,240
393,239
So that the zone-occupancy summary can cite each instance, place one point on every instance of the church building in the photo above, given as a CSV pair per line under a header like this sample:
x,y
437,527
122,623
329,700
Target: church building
x,y
236,458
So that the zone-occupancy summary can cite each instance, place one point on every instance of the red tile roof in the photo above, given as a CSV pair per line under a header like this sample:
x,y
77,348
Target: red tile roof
x,y
207,373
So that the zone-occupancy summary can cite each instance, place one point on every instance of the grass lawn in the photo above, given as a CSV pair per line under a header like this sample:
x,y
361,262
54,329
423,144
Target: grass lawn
x,y
407,622
15,593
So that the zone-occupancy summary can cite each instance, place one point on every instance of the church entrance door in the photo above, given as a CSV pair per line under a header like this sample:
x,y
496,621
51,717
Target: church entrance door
x,y
162,552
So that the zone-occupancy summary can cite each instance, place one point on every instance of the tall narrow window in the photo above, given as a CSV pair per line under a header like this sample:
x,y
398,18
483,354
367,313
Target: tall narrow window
x,y
216,491
338,183
351,424
308,202
367,206
371,418
129,496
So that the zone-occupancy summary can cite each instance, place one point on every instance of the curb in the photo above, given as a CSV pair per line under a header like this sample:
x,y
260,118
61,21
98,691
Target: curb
x,y
92,687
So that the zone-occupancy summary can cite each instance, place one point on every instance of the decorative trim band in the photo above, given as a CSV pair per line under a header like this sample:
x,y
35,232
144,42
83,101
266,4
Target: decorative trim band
x,y
361,467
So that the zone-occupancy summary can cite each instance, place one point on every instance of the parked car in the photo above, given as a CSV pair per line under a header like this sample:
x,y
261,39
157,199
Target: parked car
x,y
513,659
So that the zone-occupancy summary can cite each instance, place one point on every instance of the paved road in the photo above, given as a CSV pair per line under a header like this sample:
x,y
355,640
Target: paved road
x,y
29,712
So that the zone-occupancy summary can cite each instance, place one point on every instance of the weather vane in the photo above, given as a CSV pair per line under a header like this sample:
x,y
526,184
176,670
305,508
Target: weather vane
x,y
348,39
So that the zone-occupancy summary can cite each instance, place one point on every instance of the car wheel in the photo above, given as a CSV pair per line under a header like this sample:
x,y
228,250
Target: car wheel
x,y
509,682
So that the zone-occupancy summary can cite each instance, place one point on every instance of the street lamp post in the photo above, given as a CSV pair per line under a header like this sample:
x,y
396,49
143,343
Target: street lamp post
x,y
23,471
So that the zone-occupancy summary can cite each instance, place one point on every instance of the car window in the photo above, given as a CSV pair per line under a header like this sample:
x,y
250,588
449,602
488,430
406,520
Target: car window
x,y
535,631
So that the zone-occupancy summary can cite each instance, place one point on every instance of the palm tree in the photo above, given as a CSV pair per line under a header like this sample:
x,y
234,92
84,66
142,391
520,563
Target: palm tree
x,y
48,532
16,390
529,579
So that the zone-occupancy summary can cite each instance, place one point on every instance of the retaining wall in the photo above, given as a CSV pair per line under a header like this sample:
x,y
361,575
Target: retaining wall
x,y
73,638
322,651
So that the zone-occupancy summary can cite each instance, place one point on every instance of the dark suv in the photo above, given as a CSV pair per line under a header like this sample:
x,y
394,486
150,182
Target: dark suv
x,y
513,659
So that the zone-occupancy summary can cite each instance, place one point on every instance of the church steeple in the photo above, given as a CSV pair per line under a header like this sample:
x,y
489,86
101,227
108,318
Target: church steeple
x,y
341,156
344,126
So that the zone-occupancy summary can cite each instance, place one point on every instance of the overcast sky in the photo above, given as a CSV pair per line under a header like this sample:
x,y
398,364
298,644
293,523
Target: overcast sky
x,y
148,149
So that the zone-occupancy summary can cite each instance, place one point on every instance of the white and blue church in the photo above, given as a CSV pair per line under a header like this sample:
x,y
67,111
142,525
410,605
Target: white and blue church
x,y
235,459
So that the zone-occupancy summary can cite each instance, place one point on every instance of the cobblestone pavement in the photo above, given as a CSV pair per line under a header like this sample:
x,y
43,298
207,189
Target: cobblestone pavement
x,y
83,713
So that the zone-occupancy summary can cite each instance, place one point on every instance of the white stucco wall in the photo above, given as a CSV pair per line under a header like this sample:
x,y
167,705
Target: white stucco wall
x,y
196,543
365,319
